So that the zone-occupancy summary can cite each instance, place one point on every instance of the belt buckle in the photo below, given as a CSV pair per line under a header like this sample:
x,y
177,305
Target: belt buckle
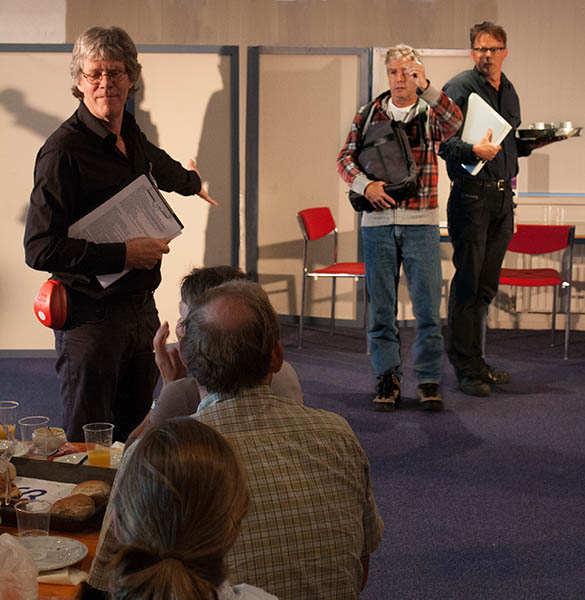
x,y
501,185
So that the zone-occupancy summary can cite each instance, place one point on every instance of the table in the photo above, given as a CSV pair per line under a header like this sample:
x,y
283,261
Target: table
x,y
46,590
90,539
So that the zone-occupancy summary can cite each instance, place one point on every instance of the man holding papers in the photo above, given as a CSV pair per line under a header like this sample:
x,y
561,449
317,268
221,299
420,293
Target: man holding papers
x,y
105,360
481,204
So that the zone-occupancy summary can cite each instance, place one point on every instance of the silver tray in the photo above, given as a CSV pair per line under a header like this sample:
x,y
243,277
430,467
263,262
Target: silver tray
x,y
50,552
549,133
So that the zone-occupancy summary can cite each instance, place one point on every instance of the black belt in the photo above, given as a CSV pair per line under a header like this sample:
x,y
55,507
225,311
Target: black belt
x,y
496,185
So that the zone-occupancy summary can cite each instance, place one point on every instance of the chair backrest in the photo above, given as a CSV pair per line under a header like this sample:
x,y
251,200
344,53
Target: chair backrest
x,y
541,239
316,222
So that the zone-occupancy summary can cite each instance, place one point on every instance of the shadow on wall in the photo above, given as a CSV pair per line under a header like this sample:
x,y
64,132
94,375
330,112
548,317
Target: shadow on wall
x,y
213,160
28,118
143,117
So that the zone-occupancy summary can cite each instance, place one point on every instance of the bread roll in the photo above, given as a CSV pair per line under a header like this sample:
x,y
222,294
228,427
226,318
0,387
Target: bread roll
x,y
79,506
98,491
11,473
13,491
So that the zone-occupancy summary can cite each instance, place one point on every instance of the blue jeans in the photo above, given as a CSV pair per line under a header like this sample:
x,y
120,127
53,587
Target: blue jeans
x,y
417,247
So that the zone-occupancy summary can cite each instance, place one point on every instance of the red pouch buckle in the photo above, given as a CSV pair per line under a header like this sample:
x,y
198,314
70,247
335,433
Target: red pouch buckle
x,y
50,304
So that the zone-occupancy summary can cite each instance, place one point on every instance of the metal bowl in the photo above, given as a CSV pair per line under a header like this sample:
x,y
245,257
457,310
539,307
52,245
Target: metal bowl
x,y
541,125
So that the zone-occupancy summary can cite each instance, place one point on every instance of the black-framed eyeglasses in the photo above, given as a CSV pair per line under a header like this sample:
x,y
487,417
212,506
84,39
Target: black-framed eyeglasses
x,y
96,77
482,50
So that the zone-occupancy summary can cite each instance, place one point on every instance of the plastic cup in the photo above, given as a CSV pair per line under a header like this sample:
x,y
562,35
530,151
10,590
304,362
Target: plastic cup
x,y
8,417
27,426
98,441
33,517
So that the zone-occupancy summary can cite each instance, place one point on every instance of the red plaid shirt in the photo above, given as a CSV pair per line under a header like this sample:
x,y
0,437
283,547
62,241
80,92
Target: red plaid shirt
x,y
445,120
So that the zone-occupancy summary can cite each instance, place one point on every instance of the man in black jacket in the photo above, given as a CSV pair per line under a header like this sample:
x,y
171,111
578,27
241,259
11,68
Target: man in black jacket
x,y
481,208
105,360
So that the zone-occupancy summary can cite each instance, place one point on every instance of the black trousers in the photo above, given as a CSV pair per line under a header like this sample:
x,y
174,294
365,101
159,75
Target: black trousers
x,y
481,225
105,363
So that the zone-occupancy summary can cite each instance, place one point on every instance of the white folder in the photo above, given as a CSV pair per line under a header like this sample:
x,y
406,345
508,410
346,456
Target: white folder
x,y
481,117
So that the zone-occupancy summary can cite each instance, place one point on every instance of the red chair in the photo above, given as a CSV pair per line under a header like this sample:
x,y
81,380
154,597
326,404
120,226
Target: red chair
x,y
543,239
315,224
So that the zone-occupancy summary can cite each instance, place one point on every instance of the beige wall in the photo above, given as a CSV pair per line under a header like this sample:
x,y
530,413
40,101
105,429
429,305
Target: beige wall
x,y
198,126
546,51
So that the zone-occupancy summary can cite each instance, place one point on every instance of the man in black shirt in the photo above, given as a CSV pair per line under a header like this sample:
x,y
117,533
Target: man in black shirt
x,y
481,208
105,360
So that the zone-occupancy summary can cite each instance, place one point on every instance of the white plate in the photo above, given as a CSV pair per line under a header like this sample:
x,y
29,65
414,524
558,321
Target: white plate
x,y
51,552
19,451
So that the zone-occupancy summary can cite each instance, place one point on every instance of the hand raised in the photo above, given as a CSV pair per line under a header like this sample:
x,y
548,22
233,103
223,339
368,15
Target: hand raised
x,y
203,193
168,360
416,70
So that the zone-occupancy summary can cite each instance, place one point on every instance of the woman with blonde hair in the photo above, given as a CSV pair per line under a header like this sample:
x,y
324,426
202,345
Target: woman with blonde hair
x,y
177,512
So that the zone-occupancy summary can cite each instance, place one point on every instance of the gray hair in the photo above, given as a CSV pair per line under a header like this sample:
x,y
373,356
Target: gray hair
x,y
101,43
230,335
402,51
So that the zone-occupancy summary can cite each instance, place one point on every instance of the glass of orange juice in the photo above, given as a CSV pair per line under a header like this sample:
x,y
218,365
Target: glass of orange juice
x,y
98,440
8,418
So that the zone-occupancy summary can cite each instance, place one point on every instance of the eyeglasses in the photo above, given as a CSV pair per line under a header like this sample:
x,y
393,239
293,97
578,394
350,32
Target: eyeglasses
x,y
113,75
482,50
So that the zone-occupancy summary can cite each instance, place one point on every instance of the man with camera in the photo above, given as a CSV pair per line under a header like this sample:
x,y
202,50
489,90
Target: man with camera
x,y
400,226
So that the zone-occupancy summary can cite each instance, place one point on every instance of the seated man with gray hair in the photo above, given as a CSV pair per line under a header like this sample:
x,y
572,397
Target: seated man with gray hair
x,y
313,520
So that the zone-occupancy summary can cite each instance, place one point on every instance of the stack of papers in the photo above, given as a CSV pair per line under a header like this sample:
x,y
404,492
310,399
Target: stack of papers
x,y
139,210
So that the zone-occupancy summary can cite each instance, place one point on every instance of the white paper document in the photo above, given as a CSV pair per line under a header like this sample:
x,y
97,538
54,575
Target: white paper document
x,y
481,117
138,210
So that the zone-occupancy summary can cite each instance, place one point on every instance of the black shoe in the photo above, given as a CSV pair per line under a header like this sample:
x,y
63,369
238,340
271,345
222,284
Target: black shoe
x,y
473,386
490,375
387,392
430,397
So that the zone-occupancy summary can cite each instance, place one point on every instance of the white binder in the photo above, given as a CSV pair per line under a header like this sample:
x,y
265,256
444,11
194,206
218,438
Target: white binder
x,y
481,117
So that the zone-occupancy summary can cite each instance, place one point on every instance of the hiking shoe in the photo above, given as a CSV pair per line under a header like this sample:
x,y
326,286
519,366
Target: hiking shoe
x,y
490,375
473,386
387,392
429,396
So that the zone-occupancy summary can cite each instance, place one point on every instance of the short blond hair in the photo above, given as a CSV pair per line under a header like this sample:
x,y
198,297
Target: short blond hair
x,y
402,51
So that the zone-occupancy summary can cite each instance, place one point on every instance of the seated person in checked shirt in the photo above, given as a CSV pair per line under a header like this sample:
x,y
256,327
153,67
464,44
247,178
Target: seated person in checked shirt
x,y
313,521
180,394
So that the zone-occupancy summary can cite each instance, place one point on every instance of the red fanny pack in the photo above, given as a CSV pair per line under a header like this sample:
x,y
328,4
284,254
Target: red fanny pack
x,y
50,304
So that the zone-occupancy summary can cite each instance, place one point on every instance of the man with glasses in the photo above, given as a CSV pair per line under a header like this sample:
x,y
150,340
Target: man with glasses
x,y
105,361
481,208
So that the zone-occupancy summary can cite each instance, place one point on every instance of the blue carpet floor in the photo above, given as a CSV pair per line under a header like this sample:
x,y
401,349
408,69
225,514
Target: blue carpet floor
x,y
485,500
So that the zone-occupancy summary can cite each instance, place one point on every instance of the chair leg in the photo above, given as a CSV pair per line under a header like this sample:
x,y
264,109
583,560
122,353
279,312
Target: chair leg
x,y
568,322
333,286
554,317
302,315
